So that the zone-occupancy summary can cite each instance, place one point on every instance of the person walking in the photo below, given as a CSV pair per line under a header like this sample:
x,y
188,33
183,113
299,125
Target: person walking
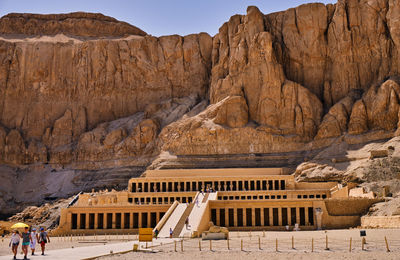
x,y
34,237
14,242
43,239
26,239
187,223
170,232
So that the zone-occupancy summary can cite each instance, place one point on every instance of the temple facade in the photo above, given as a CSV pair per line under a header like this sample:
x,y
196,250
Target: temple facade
x,y
239,199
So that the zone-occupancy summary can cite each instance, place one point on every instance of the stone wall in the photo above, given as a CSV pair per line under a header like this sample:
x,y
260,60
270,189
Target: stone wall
x,y
380,222
349,207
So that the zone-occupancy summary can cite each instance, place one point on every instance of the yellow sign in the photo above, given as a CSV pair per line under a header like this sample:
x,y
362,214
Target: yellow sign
x,y
145,234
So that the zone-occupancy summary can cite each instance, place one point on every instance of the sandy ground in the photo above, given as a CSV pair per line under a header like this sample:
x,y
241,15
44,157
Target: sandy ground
x,y
65,242
338,244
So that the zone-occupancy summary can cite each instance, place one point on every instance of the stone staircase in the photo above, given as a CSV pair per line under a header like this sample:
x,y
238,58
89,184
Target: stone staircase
x,y
181,223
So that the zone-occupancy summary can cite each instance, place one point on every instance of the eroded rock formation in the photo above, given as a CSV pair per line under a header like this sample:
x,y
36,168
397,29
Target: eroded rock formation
x,y
85,92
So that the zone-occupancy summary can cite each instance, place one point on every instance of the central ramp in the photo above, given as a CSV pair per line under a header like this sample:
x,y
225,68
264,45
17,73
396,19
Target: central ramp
x,y
172,220
176,217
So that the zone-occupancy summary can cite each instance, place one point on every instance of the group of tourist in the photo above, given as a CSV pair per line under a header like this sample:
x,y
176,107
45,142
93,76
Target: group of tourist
x,y
29,238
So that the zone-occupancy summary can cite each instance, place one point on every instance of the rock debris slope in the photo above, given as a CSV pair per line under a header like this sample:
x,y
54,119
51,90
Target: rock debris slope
x,y
85,93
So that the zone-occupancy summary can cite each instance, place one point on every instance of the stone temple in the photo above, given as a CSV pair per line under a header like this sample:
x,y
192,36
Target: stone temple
x,y
239,199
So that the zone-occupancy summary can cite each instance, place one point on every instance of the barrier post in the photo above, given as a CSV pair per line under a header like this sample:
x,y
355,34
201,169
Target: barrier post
x,y
312,244
362,243
350,245
387,245
259,243
210,245
227,241
175,244
292,242
146,245
199,245
276,245
326,243
182,245
241,245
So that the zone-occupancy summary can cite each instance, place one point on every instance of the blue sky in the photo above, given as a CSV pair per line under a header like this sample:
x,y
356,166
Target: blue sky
x,y
156,17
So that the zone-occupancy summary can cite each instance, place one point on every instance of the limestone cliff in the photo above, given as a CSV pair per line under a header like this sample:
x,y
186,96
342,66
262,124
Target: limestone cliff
x,y
84,92
76,24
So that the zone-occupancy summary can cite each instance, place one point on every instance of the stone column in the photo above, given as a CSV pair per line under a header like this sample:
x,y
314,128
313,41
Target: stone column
x,y
289,212
148,219
140,219
185,186
104,220
131,222
280,216
218,220
96,220
122,220
253,217
227,217
244,217
306,216
78,221
273,184
298,215
235,217
114,216
262,215
271,217
158,217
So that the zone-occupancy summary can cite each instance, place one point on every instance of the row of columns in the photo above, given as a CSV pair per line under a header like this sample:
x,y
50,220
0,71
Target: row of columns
x,y
308,220
238,185
288,195
160,200
140,221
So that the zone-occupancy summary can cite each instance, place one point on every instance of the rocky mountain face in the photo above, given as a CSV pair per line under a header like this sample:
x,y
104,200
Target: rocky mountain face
x,y
85,93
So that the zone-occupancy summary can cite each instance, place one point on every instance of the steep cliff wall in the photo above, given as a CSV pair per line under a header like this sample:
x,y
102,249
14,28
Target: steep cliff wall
x,y
296,80
76,24
86,92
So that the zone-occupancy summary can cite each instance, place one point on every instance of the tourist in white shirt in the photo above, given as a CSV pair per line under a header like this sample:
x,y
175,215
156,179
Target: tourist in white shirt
x,y
34,236
14,242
